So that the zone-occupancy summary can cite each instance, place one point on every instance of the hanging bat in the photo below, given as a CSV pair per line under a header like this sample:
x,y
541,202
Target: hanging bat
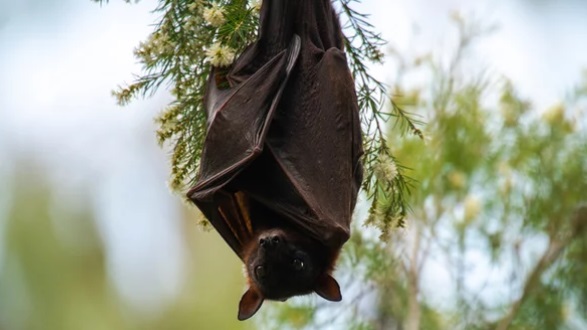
x,y
280,168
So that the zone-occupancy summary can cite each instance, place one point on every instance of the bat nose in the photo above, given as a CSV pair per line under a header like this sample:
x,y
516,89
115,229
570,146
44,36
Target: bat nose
x,y
269,241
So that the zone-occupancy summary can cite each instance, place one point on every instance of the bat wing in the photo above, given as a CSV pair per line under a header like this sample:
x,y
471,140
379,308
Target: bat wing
x,y
239,120
323,163
311,172
286,135
312,164
238,123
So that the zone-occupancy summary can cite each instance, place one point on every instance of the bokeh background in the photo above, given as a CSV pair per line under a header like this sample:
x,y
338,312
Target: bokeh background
x,y
90,235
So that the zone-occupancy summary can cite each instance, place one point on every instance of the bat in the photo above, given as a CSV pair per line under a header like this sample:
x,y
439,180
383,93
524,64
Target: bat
x,y
281,164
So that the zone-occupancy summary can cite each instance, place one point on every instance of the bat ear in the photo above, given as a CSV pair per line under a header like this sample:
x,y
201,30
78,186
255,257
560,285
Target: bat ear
x,y
328,288
250,303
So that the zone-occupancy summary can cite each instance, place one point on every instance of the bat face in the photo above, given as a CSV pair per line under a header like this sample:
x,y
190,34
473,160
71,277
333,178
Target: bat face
x,y
280,264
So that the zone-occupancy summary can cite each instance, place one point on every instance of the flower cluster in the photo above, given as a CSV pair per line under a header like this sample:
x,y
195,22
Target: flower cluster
x,y
214,15
195,6
386,169
219,55
256,5
227,32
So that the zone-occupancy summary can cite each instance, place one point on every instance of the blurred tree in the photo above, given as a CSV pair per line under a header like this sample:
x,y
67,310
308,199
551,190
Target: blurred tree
x,y
213,286
497,237
54,273
52,278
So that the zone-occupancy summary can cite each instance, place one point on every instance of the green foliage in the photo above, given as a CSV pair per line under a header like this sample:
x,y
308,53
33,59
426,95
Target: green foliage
x,y
499,180
192,35
178,51
385,179
498,174
544,309
51,281
55,270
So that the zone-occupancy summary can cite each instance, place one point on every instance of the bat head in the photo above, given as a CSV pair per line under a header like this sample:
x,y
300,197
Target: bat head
x,y
280,264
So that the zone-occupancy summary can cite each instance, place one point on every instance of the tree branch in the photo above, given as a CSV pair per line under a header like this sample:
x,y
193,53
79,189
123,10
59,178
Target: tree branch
x,y
555,248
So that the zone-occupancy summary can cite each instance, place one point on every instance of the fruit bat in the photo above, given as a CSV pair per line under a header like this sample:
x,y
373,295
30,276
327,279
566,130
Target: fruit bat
x,y
280,167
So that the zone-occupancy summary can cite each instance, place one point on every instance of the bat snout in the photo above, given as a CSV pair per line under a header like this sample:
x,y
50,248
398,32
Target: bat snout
x,y
270,241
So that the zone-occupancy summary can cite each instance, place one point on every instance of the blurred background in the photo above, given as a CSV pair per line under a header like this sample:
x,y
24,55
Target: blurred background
x,y
92,238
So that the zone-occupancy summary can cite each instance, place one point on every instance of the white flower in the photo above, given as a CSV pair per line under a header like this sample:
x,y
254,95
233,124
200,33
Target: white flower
x,y
386,168
193,22
194,6
219,55
256,5
161,43
214,15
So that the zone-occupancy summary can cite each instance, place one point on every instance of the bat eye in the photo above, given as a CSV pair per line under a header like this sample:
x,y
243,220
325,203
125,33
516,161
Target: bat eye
x,y
260,271
298,264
